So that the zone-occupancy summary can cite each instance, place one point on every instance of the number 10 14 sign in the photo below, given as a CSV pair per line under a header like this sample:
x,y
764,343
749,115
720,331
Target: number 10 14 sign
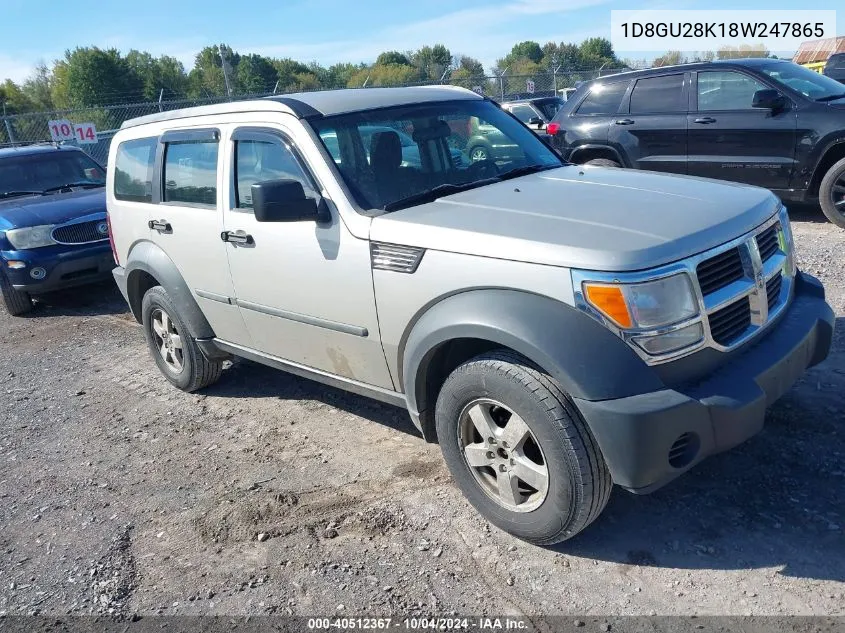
x,y
64,130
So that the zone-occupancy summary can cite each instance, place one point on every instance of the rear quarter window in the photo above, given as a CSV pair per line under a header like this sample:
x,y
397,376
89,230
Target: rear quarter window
x,y
603,99
133,170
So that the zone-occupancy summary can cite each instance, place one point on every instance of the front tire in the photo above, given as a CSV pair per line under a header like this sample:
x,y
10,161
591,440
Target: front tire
x,y
478,153
175,352
16,302
519,450
832,194
602,162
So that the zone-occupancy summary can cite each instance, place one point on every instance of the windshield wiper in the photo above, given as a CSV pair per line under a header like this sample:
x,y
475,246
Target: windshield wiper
x,y
434,193
516,172
831,97
22,192
73,184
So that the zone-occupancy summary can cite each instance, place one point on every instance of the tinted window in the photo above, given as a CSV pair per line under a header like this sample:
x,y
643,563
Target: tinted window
x,y
133,170
47,170
726,91
836,61
523,112
603,99
658,94
549,107
190,173
257,161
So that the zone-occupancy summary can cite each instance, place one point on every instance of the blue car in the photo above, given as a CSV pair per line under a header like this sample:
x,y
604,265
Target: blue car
x,y
53,228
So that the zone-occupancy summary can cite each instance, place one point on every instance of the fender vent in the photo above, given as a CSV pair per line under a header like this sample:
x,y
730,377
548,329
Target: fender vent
x,y
399,259
684,450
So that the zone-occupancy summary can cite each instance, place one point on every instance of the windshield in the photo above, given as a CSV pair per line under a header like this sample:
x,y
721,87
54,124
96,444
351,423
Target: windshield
x,y
48,170
549,107
454,145
810,84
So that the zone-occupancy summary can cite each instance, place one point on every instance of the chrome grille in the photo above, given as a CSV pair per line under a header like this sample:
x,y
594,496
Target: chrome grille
x,y
773,288
81,232
719,271
729,323
767,242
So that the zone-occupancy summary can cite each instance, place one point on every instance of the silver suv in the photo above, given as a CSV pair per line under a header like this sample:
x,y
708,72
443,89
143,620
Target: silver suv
x,y
556,328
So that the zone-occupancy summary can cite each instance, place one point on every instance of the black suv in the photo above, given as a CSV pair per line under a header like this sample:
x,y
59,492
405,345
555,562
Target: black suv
x,y
835,67
764,122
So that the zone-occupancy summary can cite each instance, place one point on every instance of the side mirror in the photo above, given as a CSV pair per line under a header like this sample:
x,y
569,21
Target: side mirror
x,y
285,201
768,99
535,120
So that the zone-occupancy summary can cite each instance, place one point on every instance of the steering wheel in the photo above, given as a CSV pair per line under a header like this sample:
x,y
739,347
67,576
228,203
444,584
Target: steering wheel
x,y
481,169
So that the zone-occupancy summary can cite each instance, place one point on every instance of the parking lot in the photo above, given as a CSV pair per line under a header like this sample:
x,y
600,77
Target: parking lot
x,y
272,494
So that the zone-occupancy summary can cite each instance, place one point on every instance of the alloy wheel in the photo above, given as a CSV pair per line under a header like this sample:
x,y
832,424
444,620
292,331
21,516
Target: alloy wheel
x,y
167,340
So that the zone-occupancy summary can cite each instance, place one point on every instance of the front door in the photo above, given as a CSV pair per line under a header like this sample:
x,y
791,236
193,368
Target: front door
x,y
305,290
730,140
187,221
654,130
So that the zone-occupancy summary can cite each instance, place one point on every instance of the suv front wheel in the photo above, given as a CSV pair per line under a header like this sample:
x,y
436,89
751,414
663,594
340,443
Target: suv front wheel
x,y
519,450
832,194
174,350
16,302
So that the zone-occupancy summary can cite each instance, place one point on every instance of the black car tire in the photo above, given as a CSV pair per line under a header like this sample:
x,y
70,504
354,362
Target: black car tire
x,y
16,301
578,482
602,162
831,188
481,151
196,371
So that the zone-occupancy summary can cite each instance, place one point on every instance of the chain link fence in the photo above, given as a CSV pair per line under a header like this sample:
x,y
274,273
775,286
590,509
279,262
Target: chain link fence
x,y
32,127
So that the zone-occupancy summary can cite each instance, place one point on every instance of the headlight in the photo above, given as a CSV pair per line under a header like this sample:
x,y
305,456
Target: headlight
x,y
654,316
31,236
651,304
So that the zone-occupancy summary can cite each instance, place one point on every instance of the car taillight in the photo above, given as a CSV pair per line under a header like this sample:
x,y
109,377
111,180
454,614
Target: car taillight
x,y
111,240
553,128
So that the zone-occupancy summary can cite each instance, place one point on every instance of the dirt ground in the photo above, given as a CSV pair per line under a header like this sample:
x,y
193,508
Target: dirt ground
x,y
272,494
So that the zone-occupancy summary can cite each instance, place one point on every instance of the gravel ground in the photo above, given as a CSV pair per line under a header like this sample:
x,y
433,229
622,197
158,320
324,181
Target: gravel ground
x,y
272,494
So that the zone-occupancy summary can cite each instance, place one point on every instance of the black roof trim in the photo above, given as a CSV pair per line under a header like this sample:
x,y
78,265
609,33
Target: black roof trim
x,y
300,109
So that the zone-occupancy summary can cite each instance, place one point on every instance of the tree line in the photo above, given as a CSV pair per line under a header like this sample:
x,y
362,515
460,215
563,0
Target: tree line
x,y
89,77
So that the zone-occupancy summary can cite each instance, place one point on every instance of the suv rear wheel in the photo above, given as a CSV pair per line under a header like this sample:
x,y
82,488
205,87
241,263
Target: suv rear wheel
x,y
832,194
16,302
519,450
174,350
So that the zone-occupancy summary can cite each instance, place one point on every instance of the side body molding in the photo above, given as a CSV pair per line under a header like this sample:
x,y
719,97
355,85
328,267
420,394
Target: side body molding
x,y
146,257
588,360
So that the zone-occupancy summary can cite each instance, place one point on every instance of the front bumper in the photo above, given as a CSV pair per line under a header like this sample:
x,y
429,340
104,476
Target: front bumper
x,y
649,439
62,268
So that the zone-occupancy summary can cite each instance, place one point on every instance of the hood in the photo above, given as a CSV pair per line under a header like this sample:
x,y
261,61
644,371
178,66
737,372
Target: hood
x,y
54,208
584,217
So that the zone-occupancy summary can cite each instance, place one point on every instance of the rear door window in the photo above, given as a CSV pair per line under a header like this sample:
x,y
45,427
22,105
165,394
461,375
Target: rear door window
x,y
523,112
603,99
190,173
656,95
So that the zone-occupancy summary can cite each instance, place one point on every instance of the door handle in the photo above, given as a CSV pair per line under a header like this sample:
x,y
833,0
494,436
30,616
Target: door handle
x,y
625,122
705,120
237,237
162,226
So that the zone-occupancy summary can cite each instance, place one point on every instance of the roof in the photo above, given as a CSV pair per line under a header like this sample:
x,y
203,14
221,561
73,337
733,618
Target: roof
x,y
747,61
819,50
320,103
40,148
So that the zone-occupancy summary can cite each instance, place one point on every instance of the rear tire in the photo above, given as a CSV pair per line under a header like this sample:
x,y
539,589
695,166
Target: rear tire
x,y
175,352
832,194
16,302
602,162
547,486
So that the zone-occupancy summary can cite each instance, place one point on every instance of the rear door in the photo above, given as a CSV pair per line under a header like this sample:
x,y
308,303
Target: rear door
x,y
653,133
730,140
188,220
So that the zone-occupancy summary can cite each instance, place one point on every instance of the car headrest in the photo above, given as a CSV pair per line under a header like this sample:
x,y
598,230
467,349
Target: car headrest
x,y
385,151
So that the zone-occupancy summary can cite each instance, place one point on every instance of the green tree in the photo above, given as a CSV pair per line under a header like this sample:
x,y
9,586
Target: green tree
x,y
206,79
527,50
431,61
37,88
13,98
669,58
742,51
159,73
384,75
289,72
256,74
90,76
597,48
392,57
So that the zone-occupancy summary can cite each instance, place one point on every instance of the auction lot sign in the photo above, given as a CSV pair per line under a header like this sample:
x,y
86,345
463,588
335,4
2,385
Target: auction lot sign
x,y
64,130
695,30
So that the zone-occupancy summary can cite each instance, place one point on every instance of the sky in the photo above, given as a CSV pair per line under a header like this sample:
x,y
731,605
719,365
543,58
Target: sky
x,y
326,31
